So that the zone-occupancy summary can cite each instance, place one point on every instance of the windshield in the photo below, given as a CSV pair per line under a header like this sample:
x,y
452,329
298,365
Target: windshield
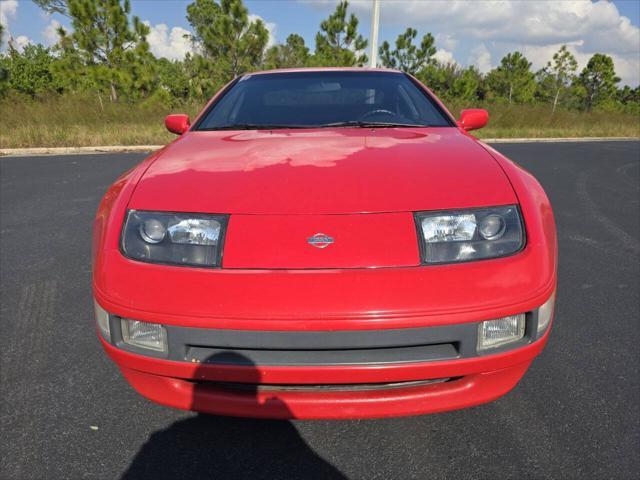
x,y
323,99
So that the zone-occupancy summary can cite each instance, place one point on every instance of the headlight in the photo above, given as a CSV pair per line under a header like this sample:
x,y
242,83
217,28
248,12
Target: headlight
x,y
151,336
175,238
502,331
460,236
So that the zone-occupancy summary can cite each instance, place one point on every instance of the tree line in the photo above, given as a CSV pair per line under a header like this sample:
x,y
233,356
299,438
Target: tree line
x,y
106,54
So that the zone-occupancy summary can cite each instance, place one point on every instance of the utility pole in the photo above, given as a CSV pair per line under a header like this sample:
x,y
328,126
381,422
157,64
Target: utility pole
x,y
375,21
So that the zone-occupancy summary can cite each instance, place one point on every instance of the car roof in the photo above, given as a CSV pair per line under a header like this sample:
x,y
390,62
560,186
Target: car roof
x,y
323,69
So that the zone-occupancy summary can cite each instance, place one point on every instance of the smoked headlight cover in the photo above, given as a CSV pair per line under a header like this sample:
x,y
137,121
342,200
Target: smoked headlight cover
x,y
473,234
190,239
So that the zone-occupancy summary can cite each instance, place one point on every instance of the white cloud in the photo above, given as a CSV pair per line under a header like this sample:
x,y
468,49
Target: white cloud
x,y
173,44
446,41
270,26
50,33
535,22
444,56
7,10
21,41
487,29
481,58
627,68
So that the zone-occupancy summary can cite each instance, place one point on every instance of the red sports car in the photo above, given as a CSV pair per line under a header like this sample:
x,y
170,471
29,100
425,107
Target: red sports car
x,y
324,243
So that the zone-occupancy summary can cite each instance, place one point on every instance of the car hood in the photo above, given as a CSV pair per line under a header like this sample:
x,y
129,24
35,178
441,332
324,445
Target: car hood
x,y
321,171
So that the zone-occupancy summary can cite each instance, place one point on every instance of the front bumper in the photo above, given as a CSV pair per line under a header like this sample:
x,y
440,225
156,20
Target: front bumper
x,y
466,391
356,303
349,374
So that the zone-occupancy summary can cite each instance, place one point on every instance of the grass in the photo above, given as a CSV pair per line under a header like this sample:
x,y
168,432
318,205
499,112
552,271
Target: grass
x,y
81,121
77,122
537,121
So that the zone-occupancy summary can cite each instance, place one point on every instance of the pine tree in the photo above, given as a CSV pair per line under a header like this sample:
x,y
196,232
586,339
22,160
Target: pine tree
x,y
406,56
558,74
29,71
338,44
172,77
439,77
227,36
513,79
598,79
465,86
113,49
4,68
53,6
293,53
205,76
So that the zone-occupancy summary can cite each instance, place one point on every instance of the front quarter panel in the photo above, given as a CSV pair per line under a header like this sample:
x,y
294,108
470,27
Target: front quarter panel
x,y
536,209
112,209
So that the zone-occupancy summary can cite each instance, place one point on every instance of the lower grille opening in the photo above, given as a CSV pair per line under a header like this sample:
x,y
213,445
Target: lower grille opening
x,y
253,387
310,357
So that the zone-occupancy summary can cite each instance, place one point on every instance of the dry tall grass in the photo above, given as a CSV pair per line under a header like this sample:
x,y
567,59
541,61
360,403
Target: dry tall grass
x,y
537,121
76,121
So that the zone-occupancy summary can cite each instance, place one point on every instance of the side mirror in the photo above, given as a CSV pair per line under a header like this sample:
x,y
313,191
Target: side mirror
x,y
177,123
473,119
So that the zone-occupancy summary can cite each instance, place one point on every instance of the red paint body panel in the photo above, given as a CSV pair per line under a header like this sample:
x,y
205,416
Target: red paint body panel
x,y
466,392
473,119
360,241
360,187
477,381
177,123
347,299
323,171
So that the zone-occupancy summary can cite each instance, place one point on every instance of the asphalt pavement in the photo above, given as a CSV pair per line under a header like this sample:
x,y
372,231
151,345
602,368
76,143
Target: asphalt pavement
x,y
66,412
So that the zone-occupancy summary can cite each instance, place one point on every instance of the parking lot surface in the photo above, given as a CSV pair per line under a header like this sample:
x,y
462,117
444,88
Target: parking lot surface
x,y
66,412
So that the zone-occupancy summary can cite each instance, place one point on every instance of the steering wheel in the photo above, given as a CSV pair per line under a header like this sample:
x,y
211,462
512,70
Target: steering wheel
x,y
380,111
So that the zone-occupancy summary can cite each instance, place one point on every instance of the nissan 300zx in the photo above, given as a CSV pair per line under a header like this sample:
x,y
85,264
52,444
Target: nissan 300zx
x,y
324,243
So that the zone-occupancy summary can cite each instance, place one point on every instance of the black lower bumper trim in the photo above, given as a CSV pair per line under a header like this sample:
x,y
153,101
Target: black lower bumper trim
x,y
423,353
350,387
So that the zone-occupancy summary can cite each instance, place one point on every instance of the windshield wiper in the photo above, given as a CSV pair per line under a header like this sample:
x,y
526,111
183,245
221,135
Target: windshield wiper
x,y
366,124
252,126
349,123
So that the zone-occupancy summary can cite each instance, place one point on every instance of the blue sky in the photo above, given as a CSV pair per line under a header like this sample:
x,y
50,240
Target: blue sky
x,y
478,32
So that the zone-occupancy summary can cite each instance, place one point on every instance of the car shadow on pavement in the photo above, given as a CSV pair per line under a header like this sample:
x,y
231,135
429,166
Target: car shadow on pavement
x,y
216,447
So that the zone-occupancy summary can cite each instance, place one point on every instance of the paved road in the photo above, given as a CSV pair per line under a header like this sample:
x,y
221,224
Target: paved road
x,y
67,413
